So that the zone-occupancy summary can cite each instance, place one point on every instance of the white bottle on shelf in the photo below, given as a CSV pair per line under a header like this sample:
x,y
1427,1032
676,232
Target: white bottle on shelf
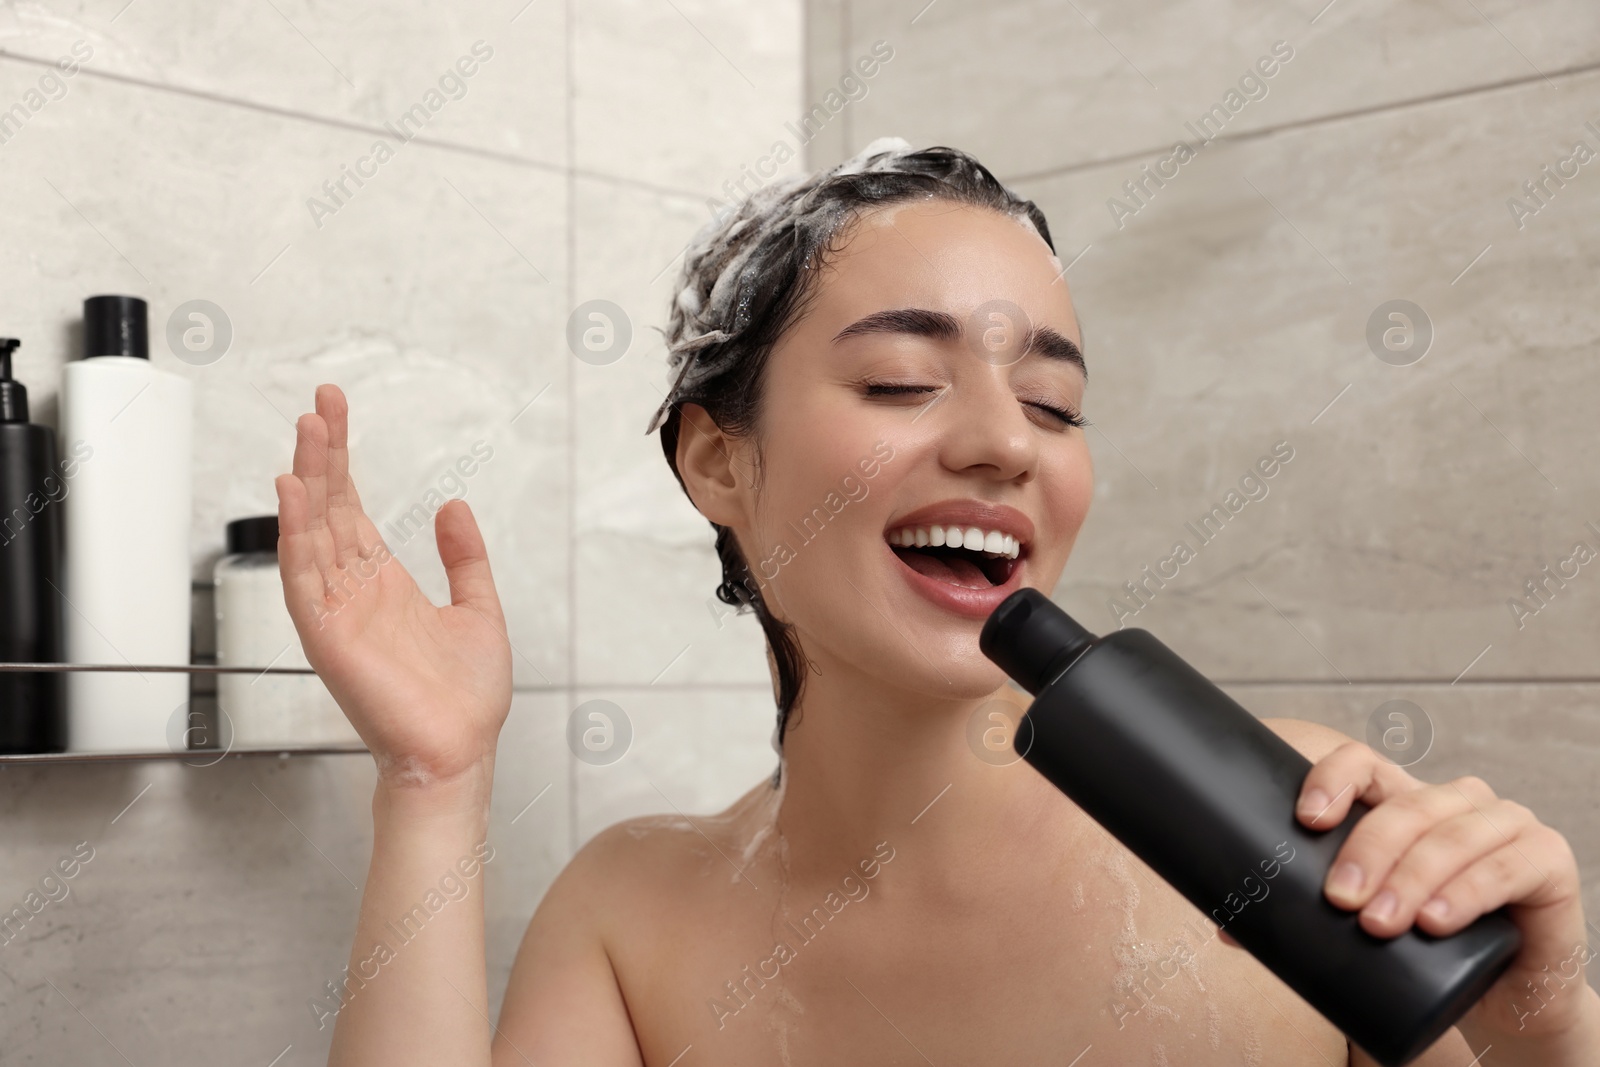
x,y
125,560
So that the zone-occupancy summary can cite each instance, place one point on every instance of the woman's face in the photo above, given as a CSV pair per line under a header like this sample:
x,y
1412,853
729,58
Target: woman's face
x,y
877,426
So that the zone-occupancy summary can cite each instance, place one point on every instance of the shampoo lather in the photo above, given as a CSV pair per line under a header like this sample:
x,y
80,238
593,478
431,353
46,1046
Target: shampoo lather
x,y
1204,793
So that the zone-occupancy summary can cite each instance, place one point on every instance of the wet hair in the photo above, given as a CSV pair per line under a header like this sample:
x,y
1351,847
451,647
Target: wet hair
x,y
747,276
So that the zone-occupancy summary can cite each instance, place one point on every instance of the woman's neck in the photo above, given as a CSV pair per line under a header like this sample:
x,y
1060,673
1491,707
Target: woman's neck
x,y
866,763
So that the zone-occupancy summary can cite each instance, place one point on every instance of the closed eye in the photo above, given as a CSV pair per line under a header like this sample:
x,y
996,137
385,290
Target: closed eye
x,y
1066,416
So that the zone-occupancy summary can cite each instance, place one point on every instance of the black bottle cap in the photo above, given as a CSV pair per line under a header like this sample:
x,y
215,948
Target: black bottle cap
x,y
115,326
1031,639
13,394
259,533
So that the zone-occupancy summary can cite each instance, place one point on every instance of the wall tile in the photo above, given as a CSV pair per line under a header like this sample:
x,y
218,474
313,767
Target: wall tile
x,y
646,568
347,63
693,751
1030,87
684,95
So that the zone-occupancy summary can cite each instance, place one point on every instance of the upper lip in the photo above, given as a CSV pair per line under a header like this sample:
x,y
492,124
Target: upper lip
x,y
979,513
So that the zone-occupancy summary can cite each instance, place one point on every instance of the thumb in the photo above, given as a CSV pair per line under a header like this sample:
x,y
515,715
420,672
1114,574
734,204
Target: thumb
x,y
466,561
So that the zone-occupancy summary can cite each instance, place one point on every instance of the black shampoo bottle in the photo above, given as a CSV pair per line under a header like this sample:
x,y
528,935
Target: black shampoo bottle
x,y
32,716
1204,793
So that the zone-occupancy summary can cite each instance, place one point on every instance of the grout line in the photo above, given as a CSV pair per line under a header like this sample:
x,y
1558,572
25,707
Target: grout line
x,y
377,131
1307,123
569,43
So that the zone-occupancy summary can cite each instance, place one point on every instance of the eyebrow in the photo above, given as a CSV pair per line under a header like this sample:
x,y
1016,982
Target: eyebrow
x,y
942,326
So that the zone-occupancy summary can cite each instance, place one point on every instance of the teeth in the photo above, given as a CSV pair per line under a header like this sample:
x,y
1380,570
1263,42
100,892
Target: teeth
x,y
972,538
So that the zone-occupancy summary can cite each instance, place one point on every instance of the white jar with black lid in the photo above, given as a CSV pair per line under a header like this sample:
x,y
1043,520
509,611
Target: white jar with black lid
x,y
260,709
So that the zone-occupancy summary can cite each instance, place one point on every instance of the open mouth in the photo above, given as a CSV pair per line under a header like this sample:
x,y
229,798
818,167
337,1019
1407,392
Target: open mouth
x,y
965,556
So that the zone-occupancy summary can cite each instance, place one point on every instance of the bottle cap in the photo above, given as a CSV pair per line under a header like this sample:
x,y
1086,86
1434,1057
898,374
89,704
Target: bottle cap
x,y
115,326
258,533
13,394
1031,639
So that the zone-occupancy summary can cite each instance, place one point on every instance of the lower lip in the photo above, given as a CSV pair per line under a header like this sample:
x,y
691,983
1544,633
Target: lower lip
x,y
971,603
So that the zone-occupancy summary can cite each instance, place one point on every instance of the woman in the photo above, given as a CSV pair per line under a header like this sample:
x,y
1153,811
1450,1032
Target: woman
x,y
876,404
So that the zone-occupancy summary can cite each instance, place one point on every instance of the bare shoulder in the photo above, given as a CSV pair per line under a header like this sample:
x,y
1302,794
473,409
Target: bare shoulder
x,y
1311,739
616,909
563,1002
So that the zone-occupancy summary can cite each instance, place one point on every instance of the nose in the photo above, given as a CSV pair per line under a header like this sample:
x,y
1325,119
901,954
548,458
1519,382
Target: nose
x,y
985,428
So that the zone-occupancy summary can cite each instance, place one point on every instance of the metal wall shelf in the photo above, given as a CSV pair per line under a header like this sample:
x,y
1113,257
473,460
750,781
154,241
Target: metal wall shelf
x,y
196,756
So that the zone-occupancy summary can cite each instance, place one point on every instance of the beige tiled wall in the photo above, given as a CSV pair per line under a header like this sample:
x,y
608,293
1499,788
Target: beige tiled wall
x,y
1228,310
574,164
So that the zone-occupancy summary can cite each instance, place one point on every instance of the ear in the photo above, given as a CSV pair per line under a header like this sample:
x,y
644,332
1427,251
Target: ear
x,y
714,468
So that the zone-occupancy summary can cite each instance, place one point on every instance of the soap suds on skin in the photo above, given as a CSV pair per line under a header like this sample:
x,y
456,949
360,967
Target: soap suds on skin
x,y
647,825
1139,960
1134,957
783,1026
768,831
406,771
1077,896
1214,1025
1252,1050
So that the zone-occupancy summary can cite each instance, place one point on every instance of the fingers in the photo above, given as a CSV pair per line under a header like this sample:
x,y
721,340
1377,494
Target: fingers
x,y
310,467
1422,841
344,508
297,562
1440,856
1530,869
466,560
1349,773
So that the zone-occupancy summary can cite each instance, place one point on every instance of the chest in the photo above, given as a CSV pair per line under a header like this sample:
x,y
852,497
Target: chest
x,y
1096,957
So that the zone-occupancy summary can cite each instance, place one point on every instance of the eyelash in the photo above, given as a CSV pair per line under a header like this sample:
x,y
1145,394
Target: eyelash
x,y
1066,415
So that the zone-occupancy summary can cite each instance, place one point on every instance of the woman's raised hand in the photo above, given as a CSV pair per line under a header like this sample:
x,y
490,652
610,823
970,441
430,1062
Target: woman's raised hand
x,y
426,687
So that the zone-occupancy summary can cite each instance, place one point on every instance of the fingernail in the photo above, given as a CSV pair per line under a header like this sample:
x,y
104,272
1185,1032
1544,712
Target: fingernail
x,y
1437,908
1383,905
1347,879
1314,802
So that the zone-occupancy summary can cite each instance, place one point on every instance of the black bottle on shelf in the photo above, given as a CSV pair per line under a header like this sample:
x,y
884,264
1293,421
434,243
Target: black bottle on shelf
x,y
1204,793
32,709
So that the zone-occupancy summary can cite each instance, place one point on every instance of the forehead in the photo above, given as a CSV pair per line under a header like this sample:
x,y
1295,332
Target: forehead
x,y
945,256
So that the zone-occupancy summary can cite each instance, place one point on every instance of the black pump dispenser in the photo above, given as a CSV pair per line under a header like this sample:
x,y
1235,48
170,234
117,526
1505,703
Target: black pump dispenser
x,y
1204,792
13,394
32,708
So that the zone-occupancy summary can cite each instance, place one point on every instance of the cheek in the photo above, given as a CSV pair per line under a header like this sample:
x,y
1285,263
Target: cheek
x,y
818,511
1068,480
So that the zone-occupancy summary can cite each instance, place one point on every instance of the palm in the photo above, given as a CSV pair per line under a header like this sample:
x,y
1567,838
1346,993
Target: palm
x,y
427,687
